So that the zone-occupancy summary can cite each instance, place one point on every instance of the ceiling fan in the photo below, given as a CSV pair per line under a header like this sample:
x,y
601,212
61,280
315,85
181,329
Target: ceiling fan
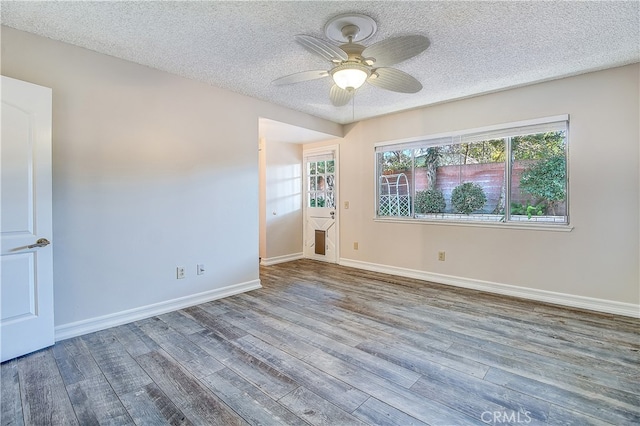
x,y
355,64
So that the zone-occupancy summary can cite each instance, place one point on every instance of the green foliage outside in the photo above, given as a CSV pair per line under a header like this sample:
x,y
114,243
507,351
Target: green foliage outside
x,y
538,146
467,198
316,202
527,147
529,210
429,201
393,161
546,180
490,151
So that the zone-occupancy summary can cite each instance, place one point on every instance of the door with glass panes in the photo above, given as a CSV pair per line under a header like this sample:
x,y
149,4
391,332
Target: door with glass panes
x,y
320,227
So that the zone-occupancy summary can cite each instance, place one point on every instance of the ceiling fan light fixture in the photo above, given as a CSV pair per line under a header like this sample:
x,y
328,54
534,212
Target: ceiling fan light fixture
x,y
354,64
350,76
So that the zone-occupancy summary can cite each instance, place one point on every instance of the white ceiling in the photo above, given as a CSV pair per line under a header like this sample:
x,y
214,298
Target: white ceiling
x,y
476,47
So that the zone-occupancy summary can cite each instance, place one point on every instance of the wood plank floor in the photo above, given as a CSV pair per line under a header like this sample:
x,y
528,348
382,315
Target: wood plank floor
x,y
328,345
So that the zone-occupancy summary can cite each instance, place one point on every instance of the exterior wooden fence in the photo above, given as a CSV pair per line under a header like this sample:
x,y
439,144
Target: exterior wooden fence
x,y
490,176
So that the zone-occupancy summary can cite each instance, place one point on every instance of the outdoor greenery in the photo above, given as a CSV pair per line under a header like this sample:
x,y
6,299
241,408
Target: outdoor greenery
x,y
429,201
529,210
542,183
546,180
538,146
394,161
316,202
429,160
490,151
468,197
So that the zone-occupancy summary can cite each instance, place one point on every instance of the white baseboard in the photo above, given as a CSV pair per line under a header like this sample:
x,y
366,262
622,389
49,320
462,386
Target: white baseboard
x,y
268,261
582,302
67,331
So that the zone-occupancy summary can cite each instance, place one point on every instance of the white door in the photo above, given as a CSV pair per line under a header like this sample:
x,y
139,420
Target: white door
x,y
321,222
26,290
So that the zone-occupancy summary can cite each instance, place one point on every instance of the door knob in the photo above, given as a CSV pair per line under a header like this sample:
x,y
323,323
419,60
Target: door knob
x,y
42,242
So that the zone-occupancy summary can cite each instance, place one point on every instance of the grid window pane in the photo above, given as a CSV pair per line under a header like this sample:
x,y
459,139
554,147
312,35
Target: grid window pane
x,y
330,200
331,166
321,183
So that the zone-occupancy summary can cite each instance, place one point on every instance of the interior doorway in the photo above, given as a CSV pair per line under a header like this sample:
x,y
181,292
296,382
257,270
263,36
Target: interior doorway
x,y
282,188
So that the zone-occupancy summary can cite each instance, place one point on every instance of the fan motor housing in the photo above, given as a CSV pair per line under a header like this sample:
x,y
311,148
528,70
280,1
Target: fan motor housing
x,y
357,26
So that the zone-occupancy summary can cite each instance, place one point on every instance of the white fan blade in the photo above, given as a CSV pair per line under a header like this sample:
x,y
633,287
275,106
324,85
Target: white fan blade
x,y
394,50
300,77
340,97
395,80
320,47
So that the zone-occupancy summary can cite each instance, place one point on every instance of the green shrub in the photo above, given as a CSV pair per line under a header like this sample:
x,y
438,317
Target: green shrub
x,y
529,210
468,197
430,201
546,180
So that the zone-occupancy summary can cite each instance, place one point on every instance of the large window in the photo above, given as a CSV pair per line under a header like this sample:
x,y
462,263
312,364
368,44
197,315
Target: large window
x,y
504,174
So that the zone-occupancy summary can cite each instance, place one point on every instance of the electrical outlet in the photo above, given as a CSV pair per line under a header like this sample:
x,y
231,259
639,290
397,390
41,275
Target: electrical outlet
x,y
180,272
200,269
346,205
355,246
441,256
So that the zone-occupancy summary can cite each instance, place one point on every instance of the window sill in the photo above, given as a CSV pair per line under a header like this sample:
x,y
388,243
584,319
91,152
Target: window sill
x,y
539,226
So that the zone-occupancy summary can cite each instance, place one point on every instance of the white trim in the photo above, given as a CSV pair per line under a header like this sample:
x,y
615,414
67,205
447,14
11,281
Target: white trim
x,y
268,261
319,150
493,127
582,302
78,328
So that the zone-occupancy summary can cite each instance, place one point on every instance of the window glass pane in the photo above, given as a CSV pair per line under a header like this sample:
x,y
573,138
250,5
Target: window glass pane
x,y
468,178
312,183
330,200
429,199
539,178
393,162
383,186
320,167
330,180
461,181
313,199
312,168
330,166
320,200
481,190
394,183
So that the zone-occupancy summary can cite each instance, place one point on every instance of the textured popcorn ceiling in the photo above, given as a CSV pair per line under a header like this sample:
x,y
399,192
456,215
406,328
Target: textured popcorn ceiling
x,y
476,47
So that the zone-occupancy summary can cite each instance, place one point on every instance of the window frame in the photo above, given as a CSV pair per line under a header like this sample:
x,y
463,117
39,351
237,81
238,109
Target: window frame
x,y
456,137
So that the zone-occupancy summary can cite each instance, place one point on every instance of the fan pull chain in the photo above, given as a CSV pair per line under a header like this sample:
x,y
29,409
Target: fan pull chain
x,y
353,108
